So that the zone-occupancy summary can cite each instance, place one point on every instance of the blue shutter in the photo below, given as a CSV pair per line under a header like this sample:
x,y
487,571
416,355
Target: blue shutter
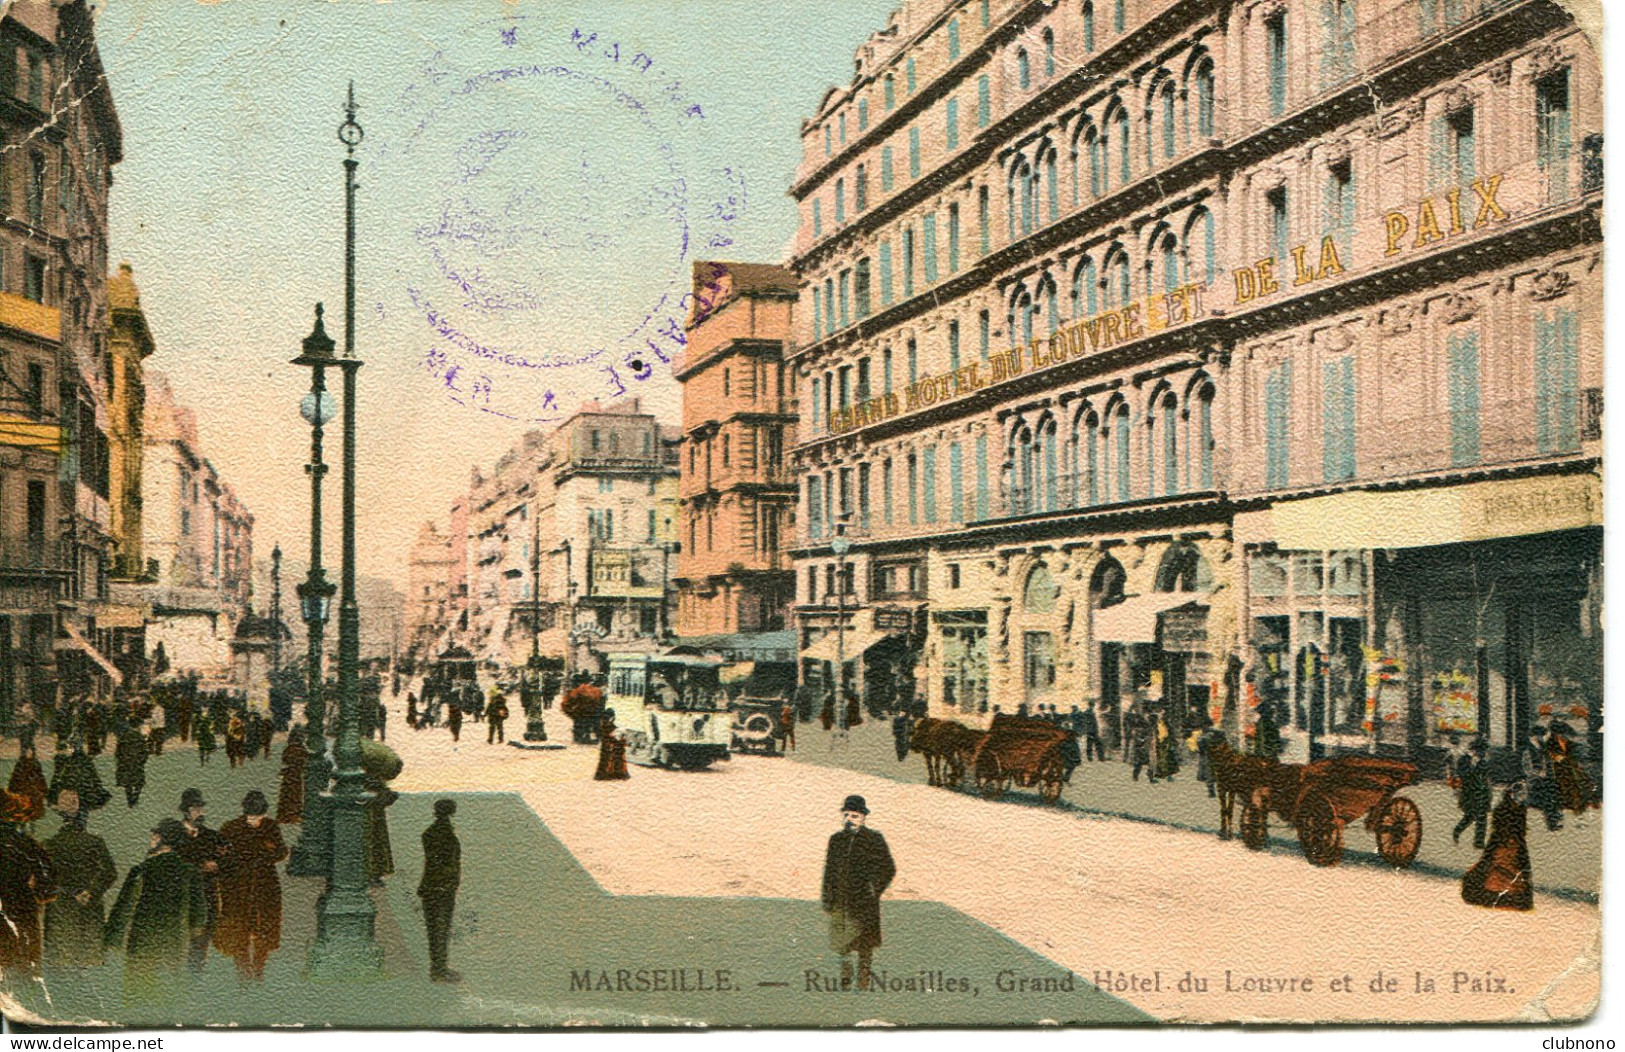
x,y
1051,496
885,169
914,153
908,262
1465,393
815,404
928,481
1545,386
885,490
818,314
985,334
1568,380
956,483
815,507
930,247
952,111
1337,419
981,476
984,102
885,274
1277,420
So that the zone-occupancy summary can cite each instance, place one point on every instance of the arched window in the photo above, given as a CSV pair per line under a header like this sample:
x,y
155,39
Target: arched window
x,y
1107,582
1119,292
1050,492
1170,263
1088,27
1039,596
1021,318
1201,442
1167,99
1120,131
1183,569
1024,72
1085,290
1204,98
1095,160
1049,54
1170,444
1021,197
1052,179
1092,457
1120,457
1199,248
1019,473
1052,304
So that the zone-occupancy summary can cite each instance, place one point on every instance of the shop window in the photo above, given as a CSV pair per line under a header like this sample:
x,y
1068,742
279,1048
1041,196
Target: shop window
x,y
1039,652
1269,574
1308,569
1345,573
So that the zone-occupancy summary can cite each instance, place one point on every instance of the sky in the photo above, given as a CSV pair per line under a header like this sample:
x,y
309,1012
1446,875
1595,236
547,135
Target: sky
x,y
534,183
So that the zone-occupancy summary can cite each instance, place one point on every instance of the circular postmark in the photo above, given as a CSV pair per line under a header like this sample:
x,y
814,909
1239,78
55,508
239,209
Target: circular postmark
x,y
548,236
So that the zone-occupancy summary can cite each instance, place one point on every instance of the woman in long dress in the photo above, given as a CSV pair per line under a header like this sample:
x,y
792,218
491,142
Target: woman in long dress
x,y
611,752
1502,879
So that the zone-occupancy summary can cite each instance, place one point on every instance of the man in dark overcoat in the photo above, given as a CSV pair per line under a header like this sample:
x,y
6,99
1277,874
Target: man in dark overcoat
x,y
84,874
130,763
27,883
160,911
250,927
442,873
78,772
204,848
858,868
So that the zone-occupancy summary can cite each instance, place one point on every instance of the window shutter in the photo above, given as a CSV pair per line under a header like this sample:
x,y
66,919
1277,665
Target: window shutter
x,y
1465,386
956,483
981,477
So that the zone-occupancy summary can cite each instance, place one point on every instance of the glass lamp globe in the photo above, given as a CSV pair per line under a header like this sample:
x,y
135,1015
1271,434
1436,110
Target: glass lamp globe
x,y
317,411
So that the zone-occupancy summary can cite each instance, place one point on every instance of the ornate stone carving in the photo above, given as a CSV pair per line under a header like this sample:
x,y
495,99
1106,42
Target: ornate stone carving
x,y
1456,308
1335,152
1456,99
1550,284
1501,73
1547,58
1336,340
1397,120
1268,9
1396,320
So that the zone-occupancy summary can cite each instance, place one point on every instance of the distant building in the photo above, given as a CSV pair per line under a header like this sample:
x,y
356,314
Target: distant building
x,y
737,495
129,344
429,595
198,542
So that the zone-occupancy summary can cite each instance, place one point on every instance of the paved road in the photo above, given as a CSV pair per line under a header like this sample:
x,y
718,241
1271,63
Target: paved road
x,y
1096,894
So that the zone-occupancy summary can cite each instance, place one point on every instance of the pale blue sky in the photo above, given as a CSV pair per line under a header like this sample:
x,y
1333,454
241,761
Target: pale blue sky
x,y
229,204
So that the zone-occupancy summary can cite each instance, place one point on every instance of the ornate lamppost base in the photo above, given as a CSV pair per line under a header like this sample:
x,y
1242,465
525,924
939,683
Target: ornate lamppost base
x,y
346,946
535,736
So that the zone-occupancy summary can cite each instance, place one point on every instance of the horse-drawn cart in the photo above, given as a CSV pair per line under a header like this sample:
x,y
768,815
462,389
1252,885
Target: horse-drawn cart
x,y
1025,752
1319,799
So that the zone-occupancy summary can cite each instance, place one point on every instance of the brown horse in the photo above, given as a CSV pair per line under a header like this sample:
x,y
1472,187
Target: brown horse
x,y
945,745
1236,775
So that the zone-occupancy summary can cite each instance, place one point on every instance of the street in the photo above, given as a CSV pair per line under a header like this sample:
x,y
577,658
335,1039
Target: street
x,y
1093,894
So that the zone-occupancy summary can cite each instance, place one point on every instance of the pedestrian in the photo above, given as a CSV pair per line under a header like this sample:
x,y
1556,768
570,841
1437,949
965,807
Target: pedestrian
x,y
254,730
1267,737
383,720
1206,739
250,925
205,849
411,710
787,728
1473,793
1502,877
27,883
496,715
130,763
827,716
28,781
1569,779
454,721
77,771
1137,734
379,765
901,729
156,732
611,751
290,797
96,729
1088,727
84,873
160,911
1537,772
854,712
442,873
858,868
203,734
1165,748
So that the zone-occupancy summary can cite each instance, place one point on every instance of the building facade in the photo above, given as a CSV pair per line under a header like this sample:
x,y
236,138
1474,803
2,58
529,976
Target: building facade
x,y
129,344
1217,358
430,596
62,138
198,543
736,492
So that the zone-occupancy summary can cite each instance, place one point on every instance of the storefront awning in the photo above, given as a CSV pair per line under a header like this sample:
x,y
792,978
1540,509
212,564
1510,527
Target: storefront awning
x,y
115,615
856,642
1476,511
1134,620
77,641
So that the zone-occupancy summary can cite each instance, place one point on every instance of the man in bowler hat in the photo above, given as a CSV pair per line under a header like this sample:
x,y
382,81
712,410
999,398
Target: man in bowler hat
x,y
205,849
858,868
442,873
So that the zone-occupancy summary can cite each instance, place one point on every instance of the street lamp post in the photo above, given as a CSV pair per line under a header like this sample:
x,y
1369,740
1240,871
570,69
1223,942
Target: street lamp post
x,y
310,857
535,722
840,546
346,941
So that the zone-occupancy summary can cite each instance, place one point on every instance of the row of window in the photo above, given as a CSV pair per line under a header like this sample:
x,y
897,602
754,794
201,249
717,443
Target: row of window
x,y
1556,342
601,526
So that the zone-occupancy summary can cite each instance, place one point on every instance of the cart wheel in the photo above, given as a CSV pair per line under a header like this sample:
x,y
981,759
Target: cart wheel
x,y
1398,830
1255,826
989,777
1319,832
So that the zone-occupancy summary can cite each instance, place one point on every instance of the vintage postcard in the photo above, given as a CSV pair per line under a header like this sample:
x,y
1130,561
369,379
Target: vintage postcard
x,y
938,513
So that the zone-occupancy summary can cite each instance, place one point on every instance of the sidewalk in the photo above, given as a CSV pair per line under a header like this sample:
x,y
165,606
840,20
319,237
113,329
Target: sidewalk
x,y
1567,863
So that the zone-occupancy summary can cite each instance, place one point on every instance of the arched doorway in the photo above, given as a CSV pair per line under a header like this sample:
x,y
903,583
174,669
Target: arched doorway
x,y
1038,644
1106,589
1181,655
